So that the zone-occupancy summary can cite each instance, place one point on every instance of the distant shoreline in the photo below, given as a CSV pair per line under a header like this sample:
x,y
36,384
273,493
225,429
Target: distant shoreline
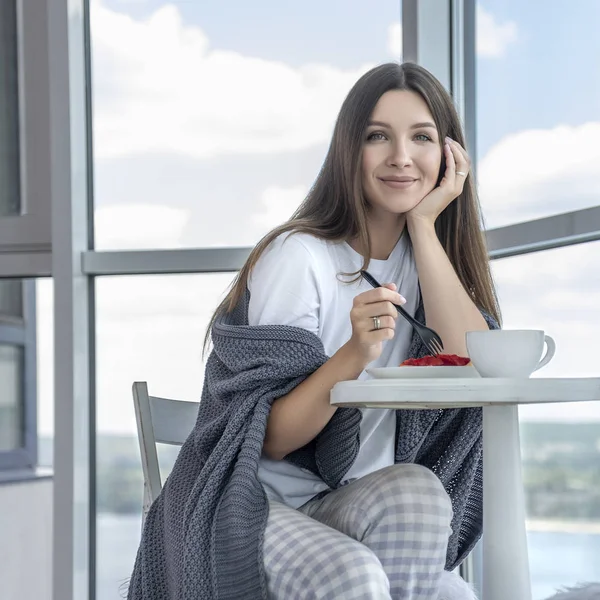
x,y
558,526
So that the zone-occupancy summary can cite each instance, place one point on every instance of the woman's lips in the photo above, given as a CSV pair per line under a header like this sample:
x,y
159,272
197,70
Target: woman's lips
x,y
398,184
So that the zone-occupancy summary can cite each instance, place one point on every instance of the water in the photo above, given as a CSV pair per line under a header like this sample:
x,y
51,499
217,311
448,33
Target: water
x,y
557,559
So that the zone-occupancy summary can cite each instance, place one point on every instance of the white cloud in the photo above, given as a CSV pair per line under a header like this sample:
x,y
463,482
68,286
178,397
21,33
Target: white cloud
x,y
139,226
277,206
537,172
493,38
160,87
395,40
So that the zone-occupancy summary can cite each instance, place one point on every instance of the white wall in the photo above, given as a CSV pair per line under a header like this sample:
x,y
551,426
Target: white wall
x,y
26,540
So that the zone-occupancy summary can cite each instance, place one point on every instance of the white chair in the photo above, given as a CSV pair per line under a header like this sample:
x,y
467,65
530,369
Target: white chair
x,y
162,421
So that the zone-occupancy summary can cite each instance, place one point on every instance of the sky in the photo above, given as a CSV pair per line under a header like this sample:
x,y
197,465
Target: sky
x,y
212,119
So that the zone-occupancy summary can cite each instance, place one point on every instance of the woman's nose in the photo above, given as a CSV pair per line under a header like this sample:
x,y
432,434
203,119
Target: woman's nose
x,y
399,155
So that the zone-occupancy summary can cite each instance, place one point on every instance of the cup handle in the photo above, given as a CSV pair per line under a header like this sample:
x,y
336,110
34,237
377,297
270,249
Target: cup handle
x,y
550,349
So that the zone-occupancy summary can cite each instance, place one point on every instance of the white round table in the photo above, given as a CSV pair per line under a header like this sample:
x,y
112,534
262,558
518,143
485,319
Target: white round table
x,y
505,559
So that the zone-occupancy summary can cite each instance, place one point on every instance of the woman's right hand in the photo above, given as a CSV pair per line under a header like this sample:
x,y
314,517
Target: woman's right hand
x,y
367,341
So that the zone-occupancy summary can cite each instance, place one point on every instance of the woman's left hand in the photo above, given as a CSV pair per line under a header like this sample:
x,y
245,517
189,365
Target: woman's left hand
x,y
451,186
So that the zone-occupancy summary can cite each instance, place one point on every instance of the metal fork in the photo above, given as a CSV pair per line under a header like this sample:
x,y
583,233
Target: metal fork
x,y
431,340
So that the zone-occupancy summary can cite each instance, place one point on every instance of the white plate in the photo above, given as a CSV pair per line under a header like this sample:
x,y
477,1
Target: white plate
x,y
423,372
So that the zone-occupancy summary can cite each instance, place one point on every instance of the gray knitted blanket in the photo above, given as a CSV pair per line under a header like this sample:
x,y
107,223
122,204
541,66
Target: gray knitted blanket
x,y
202,539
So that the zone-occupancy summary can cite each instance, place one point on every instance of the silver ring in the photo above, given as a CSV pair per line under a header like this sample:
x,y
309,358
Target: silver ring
x,y
376,323
461,173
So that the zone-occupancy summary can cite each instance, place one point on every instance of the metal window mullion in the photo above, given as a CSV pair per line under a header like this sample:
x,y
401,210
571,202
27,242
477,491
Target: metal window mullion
x,y
426,36
157,262
520,238
555,231
30,376
457,54
469,77
73,507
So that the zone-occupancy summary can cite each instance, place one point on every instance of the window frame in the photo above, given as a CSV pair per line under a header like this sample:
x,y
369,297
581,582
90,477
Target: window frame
x,y
31,230
23,335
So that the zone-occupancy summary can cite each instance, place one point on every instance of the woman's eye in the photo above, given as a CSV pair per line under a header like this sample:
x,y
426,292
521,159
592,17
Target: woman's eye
x,y
375,136
422,137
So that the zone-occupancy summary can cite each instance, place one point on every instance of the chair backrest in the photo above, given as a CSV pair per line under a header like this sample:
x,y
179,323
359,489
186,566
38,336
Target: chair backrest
x,y
163,421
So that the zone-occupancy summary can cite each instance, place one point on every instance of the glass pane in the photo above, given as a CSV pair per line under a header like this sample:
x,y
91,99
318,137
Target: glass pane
x,y
559,291
538,108
11,397
11,298
240,111
9,112
148,328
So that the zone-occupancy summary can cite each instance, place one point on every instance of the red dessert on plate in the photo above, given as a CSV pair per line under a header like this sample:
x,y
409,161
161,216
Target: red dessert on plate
x,y
439,360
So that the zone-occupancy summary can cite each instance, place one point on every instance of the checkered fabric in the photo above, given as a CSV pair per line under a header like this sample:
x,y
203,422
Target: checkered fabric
x,y
382,537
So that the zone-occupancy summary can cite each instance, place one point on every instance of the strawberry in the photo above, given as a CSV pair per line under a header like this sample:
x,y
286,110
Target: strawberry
x,y
448,360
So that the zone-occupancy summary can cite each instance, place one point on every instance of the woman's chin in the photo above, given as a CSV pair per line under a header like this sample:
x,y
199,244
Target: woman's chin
x,y
395,206
403,208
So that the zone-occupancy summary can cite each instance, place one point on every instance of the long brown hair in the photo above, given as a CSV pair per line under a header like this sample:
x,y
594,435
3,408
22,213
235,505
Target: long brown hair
x,y
336,208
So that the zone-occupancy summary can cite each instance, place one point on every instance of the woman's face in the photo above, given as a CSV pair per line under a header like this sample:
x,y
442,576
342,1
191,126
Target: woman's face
x,y
401,153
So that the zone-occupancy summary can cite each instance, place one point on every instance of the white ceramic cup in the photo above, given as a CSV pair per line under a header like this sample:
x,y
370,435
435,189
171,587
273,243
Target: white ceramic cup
x,y
509,352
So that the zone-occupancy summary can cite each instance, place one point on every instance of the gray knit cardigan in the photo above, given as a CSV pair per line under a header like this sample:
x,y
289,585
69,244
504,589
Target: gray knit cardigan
x,y
203,536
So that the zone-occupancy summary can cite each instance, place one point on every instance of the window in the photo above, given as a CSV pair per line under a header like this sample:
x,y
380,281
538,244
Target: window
x,y
24,126
538,120
24,217
560,442
241,108
148,328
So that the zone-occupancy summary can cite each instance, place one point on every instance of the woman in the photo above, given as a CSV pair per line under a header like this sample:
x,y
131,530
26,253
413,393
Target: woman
x,y
279,495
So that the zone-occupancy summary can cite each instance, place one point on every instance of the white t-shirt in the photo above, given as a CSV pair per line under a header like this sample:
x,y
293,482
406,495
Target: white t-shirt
x,y
297,282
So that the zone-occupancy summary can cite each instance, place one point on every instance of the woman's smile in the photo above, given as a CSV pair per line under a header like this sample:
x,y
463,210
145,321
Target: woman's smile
x,y
398,182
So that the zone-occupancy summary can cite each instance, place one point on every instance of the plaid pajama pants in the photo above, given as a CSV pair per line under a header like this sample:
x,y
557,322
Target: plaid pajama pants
x,y
383,536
